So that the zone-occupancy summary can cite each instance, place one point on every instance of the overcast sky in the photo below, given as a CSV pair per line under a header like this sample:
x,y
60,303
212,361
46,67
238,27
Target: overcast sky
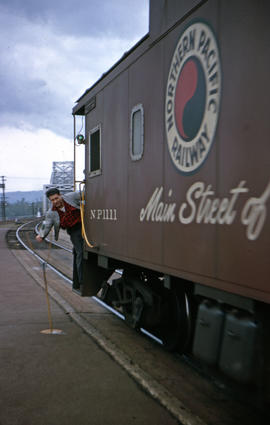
x,y
51,51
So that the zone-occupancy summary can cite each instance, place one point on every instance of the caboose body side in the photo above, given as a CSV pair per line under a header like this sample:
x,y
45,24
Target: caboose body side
x,y
177,159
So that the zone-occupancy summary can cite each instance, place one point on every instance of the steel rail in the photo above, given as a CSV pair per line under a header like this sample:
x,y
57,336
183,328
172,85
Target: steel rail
x,y
53,243
38,256
63,247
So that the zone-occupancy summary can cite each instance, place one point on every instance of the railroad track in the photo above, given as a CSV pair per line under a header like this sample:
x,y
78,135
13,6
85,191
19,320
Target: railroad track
x,y
60,261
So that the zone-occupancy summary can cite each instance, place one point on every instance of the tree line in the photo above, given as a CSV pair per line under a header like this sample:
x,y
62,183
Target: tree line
x,y
21,208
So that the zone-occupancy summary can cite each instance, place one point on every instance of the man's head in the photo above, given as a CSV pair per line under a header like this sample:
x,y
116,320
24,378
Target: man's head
x,y
55,197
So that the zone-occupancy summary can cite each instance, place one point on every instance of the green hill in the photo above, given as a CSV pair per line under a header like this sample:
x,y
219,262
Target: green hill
x,y
31,196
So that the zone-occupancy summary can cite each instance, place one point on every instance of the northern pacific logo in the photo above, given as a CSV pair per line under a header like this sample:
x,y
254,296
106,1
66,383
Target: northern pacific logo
x,y
193,97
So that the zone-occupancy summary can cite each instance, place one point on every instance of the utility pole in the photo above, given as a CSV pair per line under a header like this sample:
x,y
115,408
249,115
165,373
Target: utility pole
x,y
3,198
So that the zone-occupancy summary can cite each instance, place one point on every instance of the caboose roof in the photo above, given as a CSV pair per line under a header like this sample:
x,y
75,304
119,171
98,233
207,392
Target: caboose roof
x,y
79,108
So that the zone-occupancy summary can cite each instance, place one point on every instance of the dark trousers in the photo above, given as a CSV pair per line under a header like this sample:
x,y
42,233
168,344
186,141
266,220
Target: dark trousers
x,y
77,242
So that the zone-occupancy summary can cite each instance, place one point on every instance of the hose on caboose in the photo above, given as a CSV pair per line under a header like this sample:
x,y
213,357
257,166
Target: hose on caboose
x,y
82,203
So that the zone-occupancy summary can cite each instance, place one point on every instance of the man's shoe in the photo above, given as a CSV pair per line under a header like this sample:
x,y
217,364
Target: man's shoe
x,y
76,289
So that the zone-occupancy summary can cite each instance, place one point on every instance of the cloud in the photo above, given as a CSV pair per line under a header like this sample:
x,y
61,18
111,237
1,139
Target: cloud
x,y
27,156
43,70
126,18
51,51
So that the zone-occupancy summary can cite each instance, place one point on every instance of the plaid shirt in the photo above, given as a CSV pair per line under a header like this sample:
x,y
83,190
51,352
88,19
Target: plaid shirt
x,y
70,217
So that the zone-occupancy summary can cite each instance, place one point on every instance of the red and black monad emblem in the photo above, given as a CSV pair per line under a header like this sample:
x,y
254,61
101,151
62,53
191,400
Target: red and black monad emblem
x,y
193,97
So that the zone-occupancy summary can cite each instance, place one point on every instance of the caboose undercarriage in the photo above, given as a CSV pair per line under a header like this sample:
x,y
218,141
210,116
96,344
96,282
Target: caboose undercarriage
x,y
224,334
146,303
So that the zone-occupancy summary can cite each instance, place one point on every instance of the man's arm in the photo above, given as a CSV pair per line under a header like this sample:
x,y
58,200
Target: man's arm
x,y
51,219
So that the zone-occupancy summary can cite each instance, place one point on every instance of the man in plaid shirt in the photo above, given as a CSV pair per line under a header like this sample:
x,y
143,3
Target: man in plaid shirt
x,y
65,213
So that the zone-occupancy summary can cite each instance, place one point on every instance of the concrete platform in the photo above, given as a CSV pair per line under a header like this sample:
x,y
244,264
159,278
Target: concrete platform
x,y
58,379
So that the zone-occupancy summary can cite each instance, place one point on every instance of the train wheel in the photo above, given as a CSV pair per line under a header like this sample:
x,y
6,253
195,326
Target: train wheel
x,y
174,330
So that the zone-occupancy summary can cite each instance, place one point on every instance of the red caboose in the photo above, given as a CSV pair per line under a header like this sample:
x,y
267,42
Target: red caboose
x,y
177,182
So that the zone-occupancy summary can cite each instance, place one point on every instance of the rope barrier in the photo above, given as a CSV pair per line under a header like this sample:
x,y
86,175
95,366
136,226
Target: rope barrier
x,y
44,264
47,297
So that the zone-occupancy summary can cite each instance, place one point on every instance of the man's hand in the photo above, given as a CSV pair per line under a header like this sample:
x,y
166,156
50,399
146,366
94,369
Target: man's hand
x,y
39,238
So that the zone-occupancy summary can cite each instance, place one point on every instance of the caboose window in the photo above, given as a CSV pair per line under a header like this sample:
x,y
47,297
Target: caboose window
x,y
137,133
95,151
